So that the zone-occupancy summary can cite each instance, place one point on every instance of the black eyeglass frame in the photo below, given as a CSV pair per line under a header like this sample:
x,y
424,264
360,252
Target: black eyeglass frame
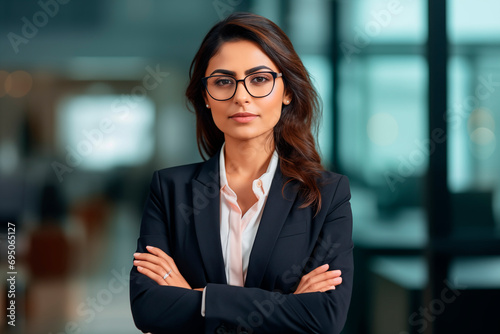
x,y
274,74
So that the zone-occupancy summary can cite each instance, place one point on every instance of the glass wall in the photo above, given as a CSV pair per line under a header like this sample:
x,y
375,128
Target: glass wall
x,y
382,110
473,115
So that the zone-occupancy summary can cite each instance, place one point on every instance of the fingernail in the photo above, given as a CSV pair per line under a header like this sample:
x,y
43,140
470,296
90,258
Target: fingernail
x,y
137,261
139,268
149,247
136,254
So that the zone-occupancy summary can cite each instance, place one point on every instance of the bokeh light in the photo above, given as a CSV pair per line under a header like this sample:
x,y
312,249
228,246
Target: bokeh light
x,y
3,78
382,129
18,84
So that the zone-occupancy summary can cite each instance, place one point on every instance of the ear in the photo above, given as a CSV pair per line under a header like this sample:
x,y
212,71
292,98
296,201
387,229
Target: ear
x,y
207,103
287,98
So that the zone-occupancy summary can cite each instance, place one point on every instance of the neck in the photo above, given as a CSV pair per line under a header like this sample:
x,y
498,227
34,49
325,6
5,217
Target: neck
x,y
248,158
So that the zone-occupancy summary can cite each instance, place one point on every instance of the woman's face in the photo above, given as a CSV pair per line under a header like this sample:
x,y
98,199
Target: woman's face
x,y
244,117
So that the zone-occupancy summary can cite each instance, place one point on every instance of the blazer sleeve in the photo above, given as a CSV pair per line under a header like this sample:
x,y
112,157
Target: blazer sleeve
x,y
156,308
254,310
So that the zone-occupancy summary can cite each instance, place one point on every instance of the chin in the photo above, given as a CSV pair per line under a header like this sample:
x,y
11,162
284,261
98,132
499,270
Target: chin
x,y
247,135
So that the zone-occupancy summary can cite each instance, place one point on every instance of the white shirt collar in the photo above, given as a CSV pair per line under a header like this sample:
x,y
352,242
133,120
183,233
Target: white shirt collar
x,y
260,185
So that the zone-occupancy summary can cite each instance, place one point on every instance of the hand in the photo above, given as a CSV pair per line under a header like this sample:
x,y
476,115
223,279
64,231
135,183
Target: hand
x,y
156,264
319,280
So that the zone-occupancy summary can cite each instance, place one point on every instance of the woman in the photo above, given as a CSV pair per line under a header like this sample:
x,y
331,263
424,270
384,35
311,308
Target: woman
x,y
257,239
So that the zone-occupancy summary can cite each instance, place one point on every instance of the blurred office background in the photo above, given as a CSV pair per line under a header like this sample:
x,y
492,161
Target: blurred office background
x,y
92,102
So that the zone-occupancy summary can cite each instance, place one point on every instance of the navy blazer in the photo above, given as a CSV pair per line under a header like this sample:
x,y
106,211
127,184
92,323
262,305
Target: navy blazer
x,y
181,216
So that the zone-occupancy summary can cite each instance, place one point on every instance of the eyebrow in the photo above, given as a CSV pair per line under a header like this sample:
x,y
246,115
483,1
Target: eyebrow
x,y
247,72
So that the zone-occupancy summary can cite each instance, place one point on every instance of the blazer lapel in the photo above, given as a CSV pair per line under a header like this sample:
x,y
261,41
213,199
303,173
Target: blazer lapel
x,y
206,211
275,213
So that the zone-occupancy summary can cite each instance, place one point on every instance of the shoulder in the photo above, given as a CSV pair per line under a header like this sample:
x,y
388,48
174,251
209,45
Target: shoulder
x,y
169,180
331,176
330,185
179,173
332,182
335,189
180,178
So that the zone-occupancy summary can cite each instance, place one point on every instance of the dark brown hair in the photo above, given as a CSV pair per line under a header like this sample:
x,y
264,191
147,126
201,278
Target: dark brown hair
x,y
293,138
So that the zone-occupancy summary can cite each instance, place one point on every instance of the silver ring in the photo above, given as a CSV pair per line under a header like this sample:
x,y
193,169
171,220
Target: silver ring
x,y
167,274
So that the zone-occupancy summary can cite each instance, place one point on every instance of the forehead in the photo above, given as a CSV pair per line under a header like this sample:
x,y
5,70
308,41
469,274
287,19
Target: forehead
x,y
238,56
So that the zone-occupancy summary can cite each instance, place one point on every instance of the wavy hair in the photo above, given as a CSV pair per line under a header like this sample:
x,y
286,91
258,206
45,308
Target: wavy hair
x,y
293,137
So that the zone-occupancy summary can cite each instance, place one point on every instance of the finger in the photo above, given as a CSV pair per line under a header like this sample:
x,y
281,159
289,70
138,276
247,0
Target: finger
x,y
325,288
317,271
335,273
320,269
161,254
152,259
155,259
324,269
320,282
322,286
310,279
159,257
327,284
157,269
157,251
147,257
151,275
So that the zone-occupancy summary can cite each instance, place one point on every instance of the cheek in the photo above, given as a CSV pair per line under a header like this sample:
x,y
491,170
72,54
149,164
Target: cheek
x,y
219,114
274,109
276,115
216,115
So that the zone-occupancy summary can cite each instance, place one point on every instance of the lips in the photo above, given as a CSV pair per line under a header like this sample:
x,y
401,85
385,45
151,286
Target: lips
x,y
243,117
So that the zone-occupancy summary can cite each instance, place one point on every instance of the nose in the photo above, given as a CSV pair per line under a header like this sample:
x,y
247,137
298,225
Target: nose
x,y
241,95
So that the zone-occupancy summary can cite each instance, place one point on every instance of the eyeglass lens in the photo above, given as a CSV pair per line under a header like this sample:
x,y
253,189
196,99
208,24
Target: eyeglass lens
x,y
222,87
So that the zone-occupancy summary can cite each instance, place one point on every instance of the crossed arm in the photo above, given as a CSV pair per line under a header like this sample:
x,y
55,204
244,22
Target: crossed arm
x,y
162,300
171,305
161,268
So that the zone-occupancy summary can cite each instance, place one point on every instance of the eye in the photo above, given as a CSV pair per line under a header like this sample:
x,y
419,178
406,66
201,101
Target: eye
x,y
223,82
260,79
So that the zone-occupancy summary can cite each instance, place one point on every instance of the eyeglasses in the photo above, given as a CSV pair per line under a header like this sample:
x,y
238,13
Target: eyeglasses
x,y
223,87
